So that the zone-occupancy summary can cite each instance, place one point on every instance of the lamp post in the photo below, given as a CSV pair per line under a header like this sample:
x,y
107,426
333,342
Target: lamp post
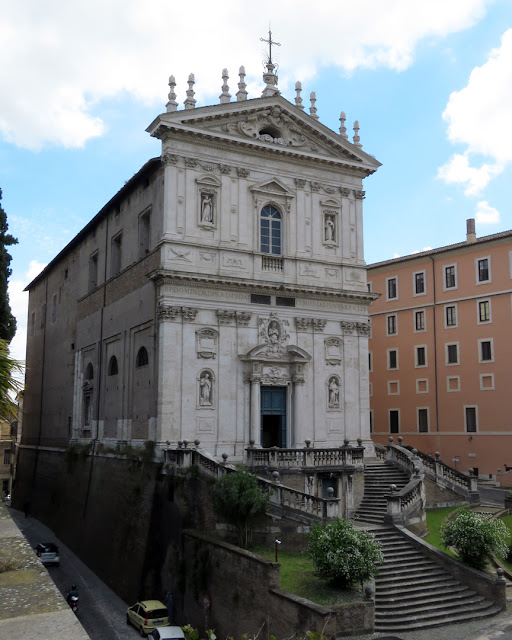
x,y
276,544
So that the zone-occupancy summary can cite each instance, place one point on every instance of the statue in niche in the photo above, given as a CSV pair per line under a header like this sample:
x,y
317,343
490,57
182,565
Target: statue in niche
x,y
334,393
205,390
206,208
273,332
329,229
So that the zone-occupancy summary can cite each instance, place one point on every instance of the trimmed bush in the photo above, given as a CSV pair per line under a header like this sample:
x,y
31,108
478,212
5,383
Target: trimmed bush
x,y
475,537
342,554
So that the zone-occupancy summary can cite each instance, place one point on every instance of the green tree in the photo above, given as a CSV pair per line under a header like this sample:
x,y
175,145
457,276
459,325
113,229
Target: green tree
x,y
240,500
7,320
475,537
9,384
342,554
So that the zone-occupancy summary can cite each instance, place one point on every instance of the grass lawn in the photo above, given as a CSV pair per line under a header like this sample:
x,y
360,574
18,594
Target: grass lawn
x,y
297,577
435,518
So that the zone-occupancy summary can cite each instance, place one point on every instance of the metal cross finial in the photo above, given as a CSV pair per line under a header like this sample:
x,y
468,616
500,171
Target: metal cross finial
x,y
270,43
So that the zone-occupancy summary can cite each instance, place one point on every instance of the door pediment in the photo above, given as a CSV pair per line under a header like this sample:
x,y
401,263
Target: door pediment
x,y
291,354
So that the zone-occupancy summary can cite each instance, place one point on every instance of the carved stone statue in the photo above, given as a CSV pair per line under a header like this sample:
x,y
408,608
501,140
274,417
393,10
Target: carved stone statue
x,y
329,229
334,393
207,208
205,390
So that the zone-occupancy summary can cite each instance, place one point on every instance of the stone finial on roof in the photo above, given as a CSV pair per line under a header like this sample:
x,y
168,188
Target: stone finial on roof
x,y
172,105
270,80
190,102
225,96
241,94
343,128
356,134
312,109
298,99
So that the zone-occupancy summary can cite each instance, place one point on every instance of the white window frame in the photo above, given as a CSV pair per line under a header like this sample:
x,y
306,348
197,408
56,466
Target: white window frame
x,y
475,407
416,347
394,393
449,344
480,340
448,378
423,293
392,315
447,266
478,321
418,409
477,270
486,375
423,311
397,360
451,326
418,380
387,288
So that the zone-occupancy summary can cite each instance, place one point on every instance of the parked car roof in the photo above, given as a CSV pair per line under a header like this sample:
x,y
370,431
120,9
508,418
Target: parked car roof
x,y
167,633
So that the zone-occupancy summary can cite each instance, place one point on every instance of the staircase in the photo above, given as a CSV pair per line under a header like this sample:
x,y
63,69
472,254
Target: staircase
x,y
413,592
378,477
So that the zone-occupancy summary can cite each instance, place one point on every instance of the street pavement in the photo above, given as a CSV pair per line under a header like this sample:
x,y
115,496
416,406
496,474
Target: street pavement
x,y
101,612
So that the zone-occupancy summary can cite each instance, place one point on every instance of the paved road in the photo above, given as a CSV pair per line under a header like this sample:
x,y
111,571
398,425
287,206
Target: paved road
x,y
492,495
101,612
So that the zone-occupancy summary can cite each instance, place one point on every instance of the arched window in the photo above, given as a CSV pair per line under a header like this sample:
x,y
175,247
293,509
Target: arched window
x,y
113,369
89,372
270,230
142,358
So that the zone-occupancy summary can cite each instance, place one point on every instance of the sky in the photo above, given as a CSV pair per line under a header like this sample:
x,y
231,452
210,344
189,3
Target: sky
x,y
429,82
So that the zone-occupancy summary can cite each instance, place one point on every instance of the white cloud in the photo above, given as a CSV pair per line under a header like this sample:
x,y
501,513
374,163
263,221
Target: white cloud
x,y
18,300
486,214
478,117
458,171
60,58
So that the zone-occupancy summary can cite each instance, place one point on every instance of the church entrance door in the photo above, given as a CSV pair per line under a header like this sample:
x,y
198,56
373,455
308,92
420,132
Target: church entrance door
x,y
273,417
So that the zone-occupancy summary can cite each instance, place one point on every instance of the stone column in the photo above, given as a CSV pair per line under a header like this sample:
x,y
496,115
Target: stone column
x,y
255,411
298,413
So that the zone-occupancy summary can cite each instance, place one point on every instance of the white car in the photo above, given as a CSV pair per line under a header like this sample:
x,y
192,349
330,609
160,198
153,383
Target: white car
x,y
167,633
48,553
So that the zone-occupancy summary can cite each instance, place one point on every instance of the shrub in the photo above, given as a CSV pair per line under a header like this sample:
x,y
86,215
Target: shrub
x,y
238,498
475,536
342,554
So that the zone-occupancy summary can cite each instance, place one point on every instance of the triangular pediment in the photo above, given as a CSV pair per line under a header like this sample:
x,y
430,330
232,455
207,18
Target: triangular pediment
x,y
274,186
272,123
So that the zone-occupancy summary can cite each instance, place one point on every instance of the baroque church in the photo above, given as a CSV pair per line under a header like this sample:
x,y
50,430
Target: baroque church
x,y
220,296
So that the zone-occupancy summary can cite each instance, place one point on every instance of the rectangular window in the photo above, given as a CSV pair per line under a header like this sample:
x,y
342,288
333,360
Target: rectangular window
x,y
371,421
394,421
144,233
93,271
392,288
369,286
485,350
423,420
484,311
483,270
471,421
451,316
7,456
285,302
419,320
392,359
391,325
256,298
450,277
421,356
452,354
419,282
369,361
116,258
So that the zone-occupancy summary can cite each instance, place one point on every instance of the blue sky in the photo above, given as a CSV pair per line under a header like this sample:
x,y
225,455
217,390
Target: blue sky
x,y
430,83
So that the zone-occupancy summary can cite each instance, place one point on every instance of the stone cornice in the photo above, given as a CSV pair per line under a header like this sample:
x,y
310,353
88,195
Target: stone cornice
x,y
168,277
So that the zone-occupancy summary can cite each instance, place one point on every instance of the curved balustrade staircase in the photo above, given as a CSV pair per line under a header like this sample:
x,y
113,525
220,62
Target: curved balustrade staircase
x,y
411,591
378,477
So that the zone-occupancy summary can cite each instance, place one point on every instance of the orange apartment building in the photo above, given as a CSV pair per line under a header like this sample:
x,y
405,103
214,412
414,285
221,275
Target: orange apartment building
x,y
440,352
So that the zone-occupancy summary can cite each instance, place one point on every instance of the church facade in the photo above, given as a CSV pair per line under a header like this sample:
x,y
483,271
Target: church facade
x,y
220,296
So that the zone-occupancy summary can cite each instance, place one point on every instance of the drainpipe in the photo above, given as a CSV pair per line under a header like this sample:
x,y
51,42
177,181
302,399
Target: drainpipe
x,y
435,342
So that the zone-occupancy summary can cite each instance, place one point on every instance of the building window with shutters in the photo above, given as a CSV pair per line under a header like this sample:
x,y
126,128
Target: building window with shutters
x,y
471,419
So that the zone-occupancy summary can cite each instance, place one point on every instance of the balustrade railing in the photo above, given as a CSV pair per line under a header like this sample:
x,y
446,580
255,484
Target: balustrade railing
x,y
271,263
280,496
305,458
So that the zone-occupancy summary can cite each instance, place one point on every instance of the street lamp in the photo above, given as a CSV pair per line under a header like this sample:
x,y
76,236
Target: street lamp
x,y
277,543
